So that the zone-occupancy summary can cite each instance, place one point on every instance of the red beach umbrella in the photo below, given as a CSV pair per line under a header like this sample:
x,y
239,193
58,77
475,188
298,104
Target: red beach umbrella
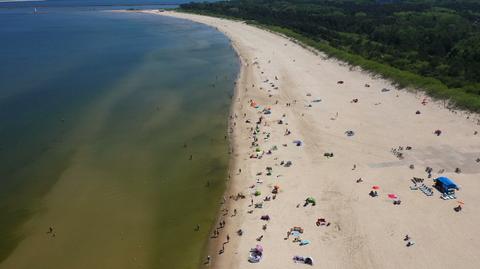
x,y
376,187
392,196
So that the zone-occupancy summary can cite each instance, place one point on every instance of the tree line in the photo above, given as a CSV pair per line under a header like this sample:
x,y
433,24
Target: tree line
x,y
438,39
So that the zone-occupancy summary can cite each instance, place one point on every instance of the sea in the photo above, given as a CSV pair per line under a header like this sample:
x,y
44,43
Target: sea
x,y
113,135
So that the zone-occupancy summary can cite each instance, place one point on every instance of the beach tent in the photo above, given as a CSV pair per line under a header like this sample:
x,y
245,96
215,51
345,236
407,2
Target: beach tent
x,y
310,200
309,260
444,184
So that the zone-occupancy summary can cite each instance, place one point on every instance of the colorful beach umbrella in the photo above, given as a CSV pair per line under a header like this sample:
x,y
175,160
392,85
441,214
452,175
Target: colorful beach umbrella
x,y
392,196
259,248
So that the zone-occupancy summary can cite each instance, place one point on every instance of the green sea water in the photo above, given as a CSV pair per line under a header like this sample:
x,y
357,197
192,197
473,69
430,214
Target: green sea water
x,y
99,115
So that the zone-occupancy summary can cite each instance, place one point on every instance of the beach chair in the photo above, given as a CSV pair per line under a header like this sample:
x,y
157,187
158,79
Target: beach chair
x,y
429,191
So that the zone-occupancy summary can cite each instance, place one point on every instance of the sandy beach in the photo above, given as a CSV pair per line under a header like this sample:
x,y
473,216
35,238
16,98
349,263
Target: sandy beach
x,y
370,131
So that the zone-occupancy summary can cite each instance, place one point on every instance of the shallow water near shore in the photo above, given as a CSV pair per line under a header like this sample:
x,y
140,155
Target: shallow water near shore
x,y
99,113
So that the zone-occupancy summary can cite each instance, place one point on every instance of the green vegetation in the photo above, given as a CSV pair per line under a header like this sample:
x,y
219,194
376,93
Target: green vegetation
x,y
432,45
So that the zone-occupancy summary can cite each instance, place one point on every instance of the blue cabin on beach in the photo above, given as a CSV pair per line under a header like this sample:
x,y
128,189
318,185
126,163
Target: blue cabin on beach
x,y
445,185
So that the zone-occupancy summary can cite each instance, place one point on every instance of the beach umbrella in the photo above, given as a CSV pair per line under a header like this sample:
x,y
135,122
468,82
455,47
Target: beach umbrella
x,y
295,233
311,200
309,260
304,242
392,196
461,202
257,193
259,248
297,142
376,187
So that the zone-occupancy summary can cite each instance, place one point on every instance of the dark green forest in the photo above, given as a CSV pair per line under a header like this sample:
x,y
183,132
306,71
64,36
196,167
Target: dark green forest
x,y
433,45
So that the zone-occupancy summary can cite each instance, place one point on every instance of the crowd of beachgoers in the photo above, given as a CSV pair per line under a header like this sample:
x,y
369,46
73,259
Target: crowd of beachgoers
x,y
333,167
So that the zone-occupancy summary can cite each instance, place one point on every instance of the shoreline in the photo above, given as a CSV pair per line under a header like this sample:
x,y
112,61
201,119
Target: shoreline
x,y
87,204
303,89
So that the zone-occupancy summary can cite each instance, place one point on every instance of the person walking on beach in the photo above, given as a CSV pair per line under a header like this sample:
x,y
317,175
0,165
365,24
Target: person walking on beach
x,y
228,238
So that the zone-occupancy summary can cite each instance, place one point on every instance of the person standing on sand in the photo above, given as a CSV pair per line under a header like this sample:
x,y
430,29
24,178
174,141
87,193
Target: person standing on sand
x,y
288,235
208,259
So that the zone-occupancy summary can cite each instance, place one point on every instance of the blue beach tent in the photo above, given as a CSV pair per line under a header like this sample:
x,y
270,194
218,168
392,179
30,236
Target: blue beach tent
x,y
444,184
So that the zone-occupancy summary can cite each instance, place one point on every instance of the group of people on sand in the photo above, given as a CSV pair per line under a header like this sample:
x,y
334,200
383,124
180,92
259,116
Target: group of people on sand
x,y
261,131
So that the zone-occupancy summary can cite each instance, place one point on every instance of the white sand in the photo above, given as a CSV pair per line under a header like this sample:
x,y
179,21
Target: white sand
x,y
365,232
